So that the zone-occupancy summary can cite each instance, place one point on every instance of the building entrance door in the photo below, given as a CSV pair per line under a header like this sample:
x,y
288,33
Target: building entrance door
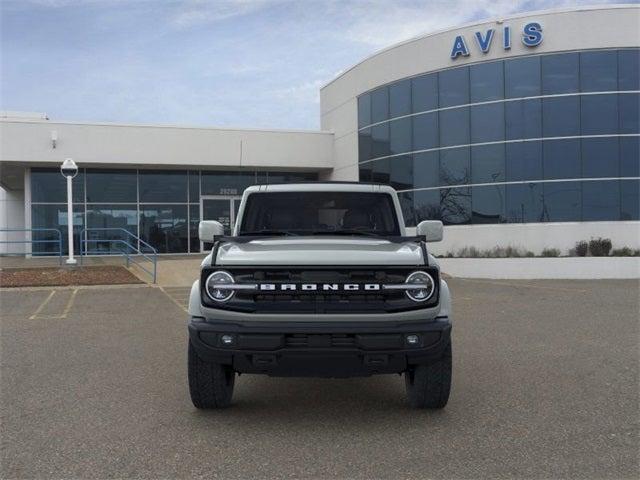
x,y
220,208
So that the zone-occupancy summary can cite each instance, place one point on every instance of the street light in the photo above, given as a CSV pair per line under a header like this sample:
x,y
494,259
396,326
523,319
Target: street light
x,y
69,169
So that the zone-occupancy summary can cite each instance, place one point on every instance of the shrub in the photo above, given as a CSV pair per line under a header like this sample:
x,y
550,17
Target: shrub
x,y
550,252
600,247
625,252
581,248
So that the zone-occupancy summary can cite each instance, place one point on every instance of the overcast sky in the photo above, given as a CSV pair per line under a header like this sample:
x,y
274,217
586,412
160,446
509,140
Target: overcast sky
x,y
244,63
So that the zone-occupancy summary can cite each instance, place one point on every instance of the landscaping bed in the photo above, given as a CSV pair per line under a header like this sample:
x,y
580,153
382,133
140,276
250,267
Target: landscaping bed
x,y
59,276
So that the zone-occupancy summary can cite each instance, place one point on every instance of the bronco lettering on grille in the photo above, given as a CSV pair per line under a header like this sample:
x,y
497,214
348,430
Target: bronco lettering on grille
x,y
314,287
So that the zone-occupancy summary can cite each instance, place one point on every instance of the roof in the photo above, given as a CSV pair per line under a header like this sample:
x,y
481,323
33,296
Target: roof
x,y
321,187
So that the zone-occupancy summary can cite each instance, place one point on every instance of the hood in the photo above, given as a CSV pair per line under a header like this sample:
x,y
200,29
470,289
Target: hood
x,y
320,251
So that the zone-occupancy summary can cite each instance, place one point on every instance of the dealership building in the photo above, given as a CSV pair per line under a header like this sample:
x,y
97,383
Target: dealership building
x,y
520,131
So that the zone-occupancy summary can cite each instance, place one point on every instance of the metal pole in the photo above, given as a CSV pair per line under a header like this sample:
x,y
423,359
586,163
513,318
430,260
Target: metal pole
x,y
70,260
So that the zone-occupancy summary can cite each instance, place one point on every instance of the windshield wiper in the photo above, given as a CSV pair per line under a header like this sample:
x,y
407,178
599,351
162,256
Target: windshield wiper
x,y
286,233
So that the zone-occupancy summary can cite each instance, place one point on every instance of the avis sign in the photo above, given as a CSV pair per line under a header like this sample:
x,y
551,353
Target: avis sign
x,y
531,37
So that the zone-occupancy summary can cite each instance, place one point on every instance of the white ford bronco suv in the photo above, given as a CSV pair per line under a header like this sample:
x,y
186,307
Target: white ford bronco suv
x,y
320,280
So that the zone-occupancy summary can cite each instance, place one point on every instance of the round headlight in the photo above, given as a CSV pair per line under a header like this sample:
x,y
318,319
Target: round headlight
x,y
215,281
427,286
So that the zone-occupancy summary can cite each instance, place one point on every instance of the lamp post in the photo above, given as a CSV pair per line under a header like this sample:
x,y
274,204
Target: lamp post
x,y
69,169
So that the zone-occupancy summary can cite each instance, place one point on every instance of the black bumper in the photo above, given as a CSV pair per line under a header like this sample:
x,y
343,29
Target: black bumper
x,y
301,349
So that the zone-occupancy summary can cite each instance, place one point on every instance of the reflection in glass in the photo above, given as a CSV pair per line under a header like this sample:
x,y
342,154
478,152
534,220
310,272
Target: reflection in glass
x,y
453,87
488,204
114,218
427,205
629,69
424,93
380,171
54,216
49,186
561,159
379,104
630,157
454,127
487,123
524,203
364,145
600,200
194,186
487,81
487,164
401,172
165,227
455,205
118,186
426,169
629,113
425,131
599,114
364,110
630,200
523,161
561,116
522,77
599,71
560,73
365,172
400,135
562,202
455,166
523,119
163,186
194,221
406,204
600,157
400,98
380,141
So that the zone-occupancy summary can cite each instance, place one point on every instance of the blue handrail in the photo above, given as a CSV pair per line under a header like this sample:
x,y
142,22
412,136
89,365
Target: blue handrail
x,y
151,256
32,241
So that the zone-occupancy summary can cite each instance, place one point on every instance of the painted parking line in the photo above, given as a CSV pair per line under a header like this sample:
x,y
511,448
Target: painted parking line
x,y
42,305
43,312
178,295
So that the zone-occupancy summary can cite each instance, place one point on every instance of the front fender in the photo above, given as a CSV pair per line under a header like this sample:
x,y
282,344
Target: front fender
x,y
445,300
194,300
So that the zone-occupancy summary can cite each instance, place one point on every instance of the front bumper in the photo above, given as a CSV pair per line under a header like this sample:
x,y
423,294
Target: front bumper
x,y
319,349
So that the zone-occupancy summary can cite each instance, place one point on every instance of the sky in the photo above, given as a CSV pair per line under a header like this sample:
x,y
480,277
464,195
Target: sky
x,y
227,63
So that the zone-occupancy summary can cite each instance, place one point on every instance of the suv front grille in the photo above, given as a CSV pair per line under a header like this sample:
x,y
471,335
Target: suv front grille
x,y
319,341
321,301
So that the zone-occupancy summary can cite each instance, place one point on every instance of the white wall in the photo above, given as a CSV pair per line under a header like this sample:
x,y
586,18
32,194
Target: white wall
x,y
11,217
542,268
536,236
29,141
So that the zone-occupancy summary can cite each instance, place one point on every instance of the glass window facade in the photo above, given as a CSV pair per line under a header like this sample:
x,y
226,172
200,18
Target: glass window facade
x,y
162,207
545,138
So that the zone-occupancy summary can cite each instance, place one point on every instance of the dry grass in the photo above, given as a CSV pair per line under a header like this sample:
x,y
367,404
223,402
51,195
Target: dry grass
x,y
59,276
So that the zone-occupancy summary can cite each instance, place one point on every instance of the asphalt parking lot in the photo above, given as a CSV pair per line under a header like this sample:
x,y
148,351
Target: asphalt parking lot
x,y
545,385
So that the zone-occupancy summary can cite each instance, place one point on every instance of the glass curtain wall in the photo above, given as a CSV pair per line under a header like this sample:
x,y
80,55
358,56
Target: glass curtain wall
x,y
545,138
161,207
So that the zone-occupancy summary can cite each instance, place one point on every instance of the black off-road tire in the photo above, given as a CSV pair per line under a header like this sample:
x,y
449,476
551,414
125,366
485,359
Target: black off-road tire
x,y
428,385
210,384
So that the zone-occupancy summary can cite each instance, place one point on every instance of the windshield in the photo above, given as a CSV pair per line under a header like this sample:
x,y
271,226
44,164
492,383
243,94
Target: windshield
x,y
317,213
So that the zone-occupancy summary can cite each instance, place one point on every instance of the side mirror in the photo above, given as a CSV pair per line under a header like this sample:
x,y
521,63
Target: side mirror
x,y
207,229
431,229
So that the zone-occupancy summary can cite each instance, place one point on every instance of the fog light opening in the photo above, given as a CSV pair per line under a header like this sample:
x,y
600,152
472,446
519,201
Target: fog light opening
x,y
412,340
227,339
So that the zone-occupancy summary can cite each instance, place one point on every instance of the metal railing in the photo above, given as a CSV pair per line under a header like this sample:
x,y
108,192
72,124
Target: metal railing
x,y
132,248
31,241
